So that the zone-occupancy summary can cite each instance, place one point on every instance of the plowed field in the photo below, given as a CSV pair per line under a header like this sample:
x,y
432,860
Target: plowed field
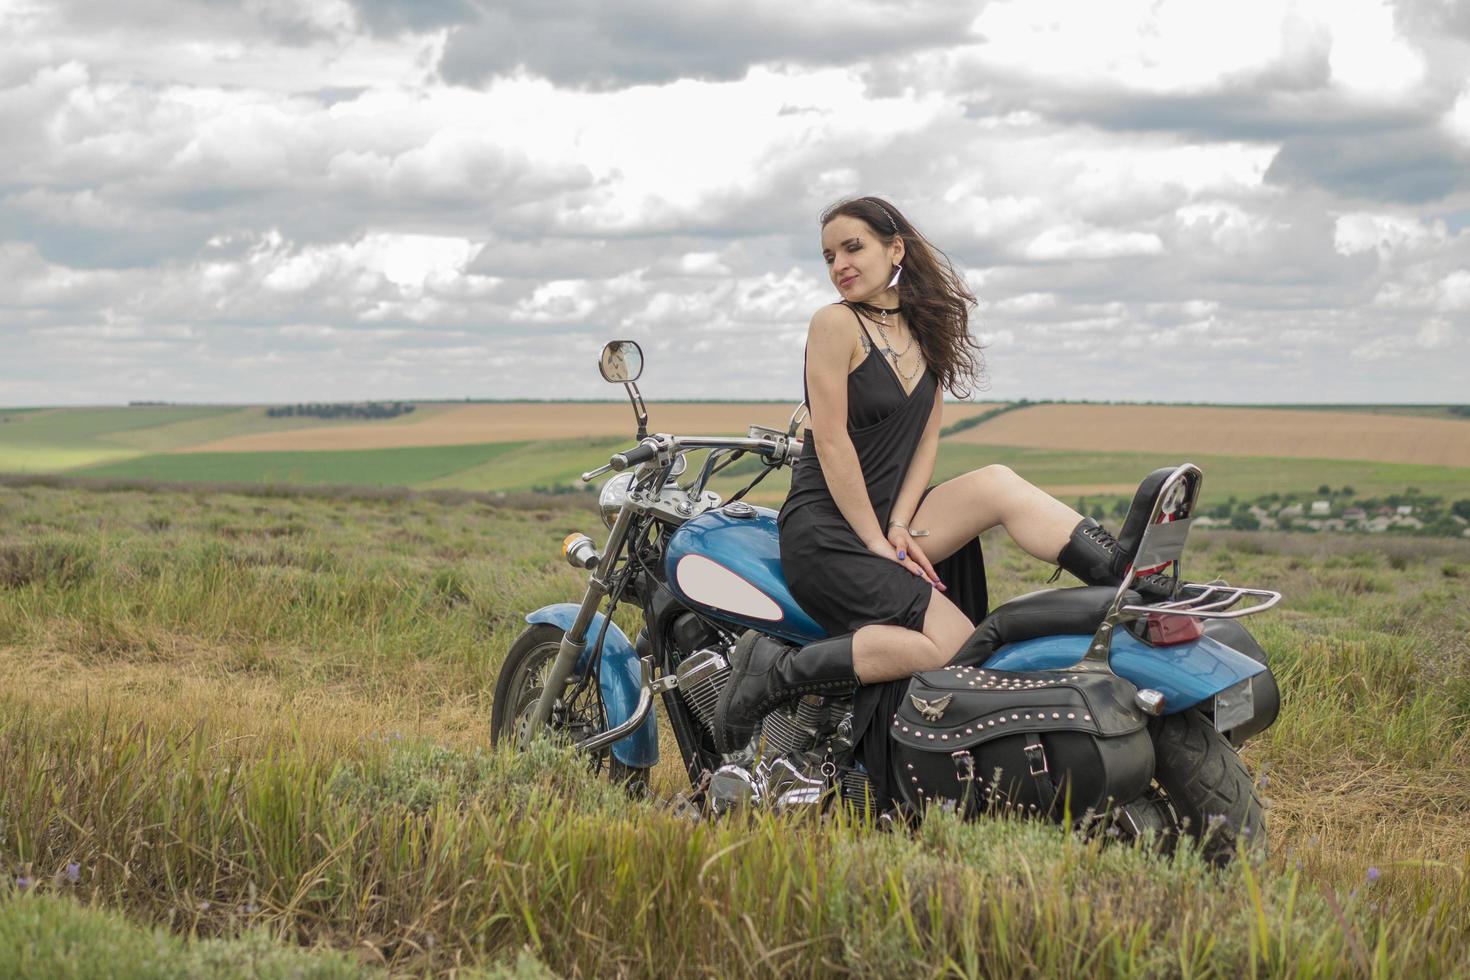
x,y
1230,432
513,422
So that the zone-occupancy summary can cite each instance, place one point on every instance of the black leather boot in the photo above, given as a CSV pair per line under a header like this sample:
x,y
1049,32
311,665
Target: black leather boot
x,y
766,673
1093,555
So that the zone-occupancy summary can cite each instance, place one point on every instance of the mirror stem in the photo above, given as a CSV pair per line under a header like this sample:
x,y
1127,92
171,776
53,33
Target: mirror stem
x,y
639,409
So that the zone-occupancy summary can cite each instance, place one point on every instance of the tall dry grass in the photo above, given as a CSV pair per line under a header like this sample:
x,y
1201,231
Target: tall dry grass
x,y
228,711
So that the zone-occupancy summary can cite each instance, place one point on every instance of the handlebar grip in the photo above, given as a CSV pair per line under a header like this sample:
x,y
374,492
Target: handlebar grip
x,y
641,453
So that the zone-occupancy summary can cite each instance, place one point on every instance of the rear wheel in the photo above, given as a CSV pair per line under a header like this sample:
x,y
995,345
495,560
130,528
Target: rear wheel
x,y
518,688
1210,793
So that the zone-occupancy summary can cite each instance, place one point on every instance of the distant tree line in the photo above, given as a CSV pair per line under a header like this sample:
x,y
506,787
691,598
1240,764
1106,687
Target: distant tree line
x,y
342,410
1460,410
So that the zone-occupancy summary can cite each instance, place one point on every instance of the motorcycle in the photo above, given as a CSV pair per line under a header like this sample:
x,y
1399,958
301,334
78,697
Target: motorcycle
x,y
1088,704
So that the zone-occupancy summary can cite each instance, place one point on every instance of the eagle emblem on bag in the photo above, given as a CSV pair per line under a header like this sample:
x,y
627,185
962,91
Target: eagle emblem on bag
x,y
931,710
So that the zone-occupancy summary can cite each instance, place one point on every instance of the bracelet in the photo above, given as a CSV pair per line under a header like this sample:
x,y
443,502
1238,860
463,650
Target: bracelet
x,y
912,534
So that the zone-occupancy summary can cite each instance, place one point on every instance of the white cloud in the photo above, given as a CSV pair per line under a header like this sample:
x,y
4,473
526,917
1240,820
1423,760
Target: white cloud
x,y
1369,58
1457,120
287,198
1383,233
1454,291
1091,243
1144,45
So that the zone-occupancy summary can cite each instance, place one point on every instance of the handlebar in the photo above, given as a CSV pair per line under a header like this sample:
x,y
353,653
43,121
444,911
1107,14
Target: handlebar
x,y
664,447
641,453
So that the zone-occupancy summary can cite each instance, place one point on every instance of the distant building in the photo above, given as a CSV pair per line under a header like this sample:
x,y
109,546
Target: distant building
x,y
1404,510
1290,510
1334,524
1321,508
1354,514
1376,526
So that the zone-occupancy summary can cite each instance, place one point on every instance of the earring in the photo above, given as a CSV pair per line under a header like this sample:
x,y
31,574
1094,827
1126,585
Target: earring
x,y
897,271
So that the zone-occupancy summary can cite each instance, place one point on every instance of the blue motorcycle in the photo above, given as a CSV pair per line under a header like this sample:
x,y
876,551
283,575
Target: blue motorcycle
x,y
1085,704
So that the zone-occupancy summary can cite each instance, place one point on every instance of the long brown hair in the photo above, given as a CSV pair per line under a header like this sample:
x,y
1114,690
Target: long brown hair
x,y
936,302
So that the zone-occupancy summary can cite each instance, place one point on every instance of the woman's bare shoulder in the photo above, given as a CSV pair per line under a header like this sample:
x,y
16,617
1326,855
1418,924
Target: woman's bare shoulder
x,y
832,319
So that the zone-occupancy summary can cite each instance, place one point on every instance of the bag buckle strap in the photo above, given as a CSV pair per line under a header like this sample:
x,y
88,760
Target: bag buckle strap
x,y
1036,757
1046,790
964,765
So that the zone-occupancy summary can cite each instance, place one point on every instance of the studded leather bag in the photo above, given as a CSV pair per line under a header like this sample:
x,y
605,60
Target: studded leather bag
x,y
1048,743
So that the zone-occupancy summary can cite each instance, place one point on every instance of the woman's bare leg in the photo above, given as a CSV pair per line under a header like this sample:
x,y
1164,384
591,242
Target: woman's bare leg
x,y
886,653
957,511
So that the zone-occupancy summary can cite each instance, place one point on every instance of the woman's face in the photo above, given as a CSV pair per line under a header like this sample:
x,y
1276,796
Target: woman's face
x,y
858,262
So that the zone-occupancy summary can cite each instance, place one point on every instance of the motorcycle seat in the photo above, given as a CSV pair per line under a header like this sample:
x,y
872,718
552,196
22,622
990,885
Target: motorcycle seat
x,y
1051,612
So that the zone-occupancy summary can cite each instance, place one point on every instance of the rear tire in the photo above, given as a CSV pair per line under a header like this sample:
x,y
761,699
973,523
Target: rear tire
x,y
518,687
1209,789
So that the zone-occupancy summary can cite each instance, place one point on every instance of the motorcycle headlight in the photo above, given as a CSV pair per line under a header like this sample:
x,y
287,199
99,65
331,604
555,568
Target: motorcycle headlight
x,y
613,495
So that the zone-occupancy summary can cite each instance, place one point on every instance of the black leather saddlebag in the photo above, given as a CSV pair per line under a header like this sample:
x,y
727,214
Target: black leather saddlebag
x,y
1033,744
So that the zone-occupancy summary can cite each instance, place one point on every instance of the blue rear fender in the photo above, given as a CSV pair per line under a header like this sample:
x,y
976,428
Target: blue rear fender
x,y
1186,674
618,679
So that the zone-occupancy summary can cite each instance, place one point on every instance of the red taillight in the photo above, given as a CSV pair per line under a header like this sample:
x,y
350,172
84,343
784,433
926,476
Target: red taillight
x,y
1165,630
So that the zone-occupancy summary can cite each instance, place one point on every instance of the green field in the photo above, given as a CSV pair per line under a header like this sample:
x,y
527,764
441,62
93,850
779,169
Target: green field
x,y
151,443
54,439
523,466
252,723
59,439
364,467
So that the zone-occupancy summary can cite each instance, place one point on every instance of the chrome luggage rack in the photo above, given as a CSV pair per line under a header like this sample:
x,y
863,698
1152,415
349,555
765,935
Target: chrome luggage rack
x,y
1214,601
1162,543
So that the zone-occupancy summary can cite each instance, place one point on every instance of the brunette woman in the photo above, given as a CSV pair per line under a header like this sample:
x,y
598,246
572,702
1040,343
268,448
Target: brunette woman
x,y
888,566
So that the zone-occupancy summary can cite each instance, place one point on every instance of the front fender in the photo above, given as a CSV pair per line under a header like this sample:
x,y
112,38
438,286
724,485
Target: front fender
x,y
1185,674
619,680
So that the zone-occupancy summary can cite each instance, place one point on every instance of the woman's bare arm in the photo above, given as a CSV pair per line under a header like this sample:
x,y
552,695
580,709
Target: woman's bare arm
x,y
921,469
829,352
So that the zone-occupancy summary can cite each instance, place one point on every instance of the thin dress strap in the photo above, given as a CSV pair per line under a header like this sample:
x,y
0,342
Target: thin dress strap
x,y
868,344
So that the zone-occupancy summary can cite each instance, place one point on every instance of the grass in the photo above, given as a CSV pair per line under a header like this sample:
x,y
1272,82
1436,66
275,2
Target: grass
x,y
55,439
262,720
244,421
539,463
51,935
365,467
1108,476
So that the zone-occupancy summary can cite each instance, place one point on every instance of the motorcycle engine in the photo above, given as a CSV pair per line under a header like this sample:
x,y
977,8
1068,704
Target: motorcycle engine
x,y
801,749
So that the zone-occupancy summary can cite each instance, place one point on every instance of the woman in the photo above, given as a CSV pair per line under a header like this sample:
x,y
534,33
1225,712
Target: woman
x,y
867,549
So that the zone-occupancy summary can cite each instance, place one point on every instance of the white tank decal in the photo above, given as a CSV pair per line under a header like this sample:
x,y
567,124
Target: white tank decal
x,y
713,584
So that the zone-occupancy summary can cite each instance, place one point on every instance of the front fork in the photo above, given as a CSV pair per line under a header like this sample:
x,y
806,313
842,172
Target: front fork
x,y
575,638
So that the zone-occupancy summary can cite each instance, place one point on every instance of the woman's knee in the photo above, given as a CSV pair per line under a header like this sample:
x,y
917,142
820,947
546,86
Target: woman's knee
x,y
1000,473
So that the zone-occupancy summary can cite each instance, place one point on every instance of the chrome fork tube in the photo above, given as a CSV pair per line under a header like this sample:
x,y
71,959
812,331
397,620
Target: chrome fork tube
x,y
575,638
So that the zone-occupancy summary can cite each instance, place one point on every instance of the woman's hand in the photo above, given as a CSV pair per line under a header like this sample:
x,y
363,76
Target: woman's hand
x,y
901,547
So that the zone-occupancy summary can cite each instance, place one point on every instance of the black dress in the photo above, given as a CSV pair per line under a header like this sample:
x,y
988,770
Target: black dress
x,y
831,573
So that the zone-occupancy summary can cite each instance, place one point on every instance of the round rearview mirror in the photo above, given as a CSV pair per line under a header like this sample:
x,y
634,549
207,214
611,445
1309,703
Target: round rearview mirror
x,y
621,361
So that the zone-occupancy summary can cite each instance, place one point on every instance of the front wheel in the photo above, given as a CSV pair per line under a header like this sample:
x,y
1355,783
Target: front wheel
x,y
1209,790
518,688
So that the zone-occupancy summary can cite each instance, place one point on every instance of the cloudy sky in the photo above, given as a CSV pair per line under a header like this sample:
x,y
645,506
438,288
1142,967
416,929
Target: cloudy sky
x,y
278,200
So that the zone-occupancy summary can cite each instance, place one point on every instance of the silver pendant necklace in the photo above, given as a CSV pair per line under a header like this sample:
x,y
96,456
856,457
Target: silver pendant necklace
x,y
894,355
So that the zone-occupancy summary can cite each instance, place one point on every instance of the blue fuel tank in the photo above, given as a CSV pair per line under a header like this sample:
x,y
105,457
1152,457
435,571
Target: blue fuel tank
x,y
727,563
